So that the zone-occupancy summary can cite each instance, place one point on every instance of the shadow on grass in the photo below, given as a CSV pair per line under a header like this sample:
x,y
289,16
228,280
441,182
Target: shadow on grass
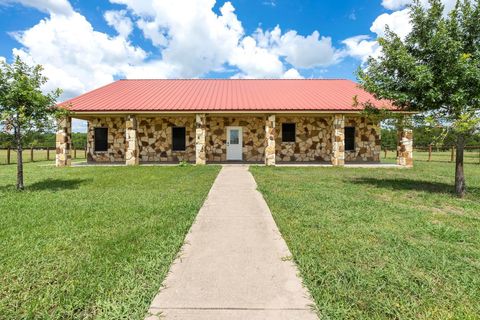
x,y
50,185
56,184
412,185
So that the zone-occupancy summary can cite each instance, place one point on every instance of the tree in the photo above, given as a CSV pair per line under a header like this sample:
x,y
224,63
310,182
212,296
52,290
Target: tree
x,y
435,70
23,106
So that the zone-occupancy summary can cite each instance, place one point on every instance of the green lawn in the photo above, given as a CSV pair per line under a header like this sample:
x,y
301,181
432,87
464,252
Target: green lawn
x,y
38,155
92,242
381,243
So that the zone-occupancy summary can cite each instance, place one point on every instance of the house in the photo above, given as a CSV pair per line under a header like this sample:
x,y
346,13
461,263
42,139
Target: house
x,y
213,120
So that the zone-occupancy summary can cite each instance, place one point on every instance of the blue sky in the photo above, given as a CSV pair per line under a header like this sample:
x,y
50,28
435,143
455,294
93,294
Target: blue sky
x,y
86,44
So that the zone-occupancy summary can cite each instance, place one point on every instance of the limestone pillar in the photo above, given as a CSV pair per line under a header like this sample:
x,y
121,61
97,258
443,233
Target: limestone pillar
x,y
404,145
270,140
338,140
200,137
132,156
63,142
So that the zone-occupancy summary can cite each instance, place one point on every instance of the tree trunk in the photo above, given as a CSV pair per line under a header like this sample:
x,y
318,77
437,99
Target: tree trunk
x,y
459,175
18,140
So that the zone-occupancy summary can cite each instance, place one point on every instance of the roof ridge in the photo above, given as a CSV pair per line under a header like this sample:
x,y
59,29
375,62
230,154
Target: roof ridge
x,y
206,79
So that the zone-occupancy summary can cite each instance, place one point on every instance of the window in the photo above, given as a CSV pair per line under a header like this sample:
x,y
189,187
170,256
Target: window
x,y
101,139
349,138
178,138
288,132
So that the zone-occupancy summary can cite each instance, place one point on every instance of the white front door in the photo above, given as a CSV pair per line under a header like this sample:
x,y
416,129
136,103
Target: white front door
x,y
234,143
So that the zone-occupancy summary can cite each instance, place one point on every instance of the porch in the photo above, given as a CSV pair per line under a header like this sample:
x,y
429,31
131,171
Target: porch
x,y
273,139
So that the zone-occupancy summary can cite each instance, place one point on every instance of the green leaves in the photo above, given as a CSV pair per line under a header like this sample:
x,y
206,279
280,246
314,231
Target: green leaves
x,y
23,105
436,68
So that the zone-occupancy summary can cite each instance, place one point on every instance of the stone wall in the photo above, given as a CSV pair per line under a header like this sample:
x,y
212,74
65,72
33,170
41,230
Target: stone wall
x,y
367,140
63,142
253,137
313,139
116,139
155,139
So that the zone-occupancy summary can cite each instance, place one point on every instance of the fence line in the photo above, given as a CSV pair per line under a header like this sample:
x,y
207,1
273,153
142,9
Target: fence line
x,y
442,154
32,154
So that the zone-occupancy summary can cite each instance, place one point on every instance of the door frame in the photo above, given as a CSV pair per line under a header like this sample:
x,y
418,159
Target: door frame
x,y
240,142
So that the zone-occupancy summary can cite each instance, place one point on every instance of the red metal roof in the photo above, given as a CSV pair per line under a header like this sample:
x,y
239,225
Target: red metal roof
x,y
215,95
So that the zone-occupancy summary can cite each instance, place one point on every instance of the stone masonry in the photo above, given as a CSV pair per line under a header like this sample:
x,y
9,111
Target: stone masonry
x,y
116,139
200,135
270,141
253,137
314,138
132,155
367,140
155,139
63,141
405,147
338,137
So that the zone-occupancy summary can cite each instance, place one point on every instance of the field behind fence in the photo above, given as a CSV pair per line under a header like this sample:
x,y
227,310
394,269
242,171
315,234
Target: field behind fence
x,y
472,155
433,154
9,156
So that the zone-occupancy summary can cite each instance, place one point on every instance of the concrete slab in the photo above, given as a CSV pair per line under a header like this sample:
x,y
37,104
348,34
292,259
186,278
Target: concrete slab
x,y
234,263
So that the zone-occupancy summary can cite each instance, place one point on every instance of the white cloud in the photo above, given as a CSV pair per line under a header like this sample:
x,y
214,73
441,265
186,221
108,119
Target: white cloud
x,y
362,47
119,21
292,74
190,40
300,51
255,61
307,52
75,57
197,40
49,6
398,22
395,4
3,59
399,4
79,125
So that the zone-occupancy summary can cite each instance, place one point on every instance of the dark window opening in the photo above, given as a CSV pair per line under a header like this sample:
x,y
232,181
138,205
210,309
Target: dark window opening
x,y
101,139
349,138
178,139
288,132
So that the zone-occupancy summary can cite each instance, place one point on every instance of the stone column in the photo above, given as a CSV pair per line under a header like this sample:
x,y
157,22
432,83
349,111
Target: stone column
x,y
404,145
270,140
338,140
200,137
133,153
63,142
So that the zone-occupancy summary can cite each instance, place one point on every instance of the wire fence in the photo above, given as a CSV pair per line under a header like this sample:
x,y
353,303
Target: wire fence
x,y
428,154
9,155
440,154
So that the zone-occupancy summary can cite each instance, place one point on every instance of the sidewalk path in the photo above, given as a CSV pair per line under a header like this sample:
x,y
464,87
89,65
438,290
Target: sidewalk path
x,y
233,264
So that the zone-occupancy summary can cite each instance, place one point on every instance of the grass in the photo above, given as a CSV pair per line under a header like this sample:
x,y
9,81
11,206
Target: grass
x,y
470,156
381,243
92,242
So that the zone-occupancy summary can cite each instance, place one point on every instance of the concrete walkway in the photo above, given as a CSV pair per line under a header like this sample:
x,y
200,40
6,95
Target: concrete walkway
x,y
233,264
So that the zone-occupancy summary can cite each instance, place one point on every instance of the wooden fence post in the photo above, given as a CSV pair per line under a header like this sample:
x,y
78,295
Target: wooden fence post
x,y
452,156
48,153
385,150
8,155
429,153
74,153
85,152
31,154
